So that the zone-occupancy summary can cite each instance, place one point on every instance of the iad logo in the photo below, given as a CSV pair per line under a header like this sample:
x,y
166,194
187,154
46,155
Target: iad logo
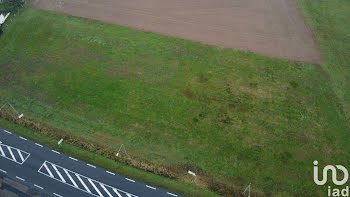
x,y
335,191
334,174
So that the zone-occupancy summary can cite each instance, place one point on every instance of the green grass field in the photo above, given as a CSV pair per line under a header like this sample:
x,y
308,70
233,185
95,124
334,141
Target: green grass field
x,y
232,115
330,21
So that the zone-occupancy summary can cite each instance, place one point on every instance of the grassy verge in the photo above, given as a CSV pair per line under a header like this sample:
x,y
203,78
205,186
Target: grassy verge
x,y
232,117
330,21
109,164
2,8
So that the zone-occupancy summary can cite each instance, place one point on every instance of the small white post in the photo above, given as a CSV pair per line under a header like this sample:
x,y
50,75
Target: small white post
x,y
59,142
191,173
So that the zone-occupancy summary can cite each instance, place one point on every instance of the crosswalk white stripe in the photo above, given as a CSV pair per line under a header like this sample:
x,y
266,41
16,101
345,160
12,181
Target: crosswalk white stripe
x,y
71,179
20,155
47,169
94,186
116,191
2,152
104,188
59,174
82,182
13,157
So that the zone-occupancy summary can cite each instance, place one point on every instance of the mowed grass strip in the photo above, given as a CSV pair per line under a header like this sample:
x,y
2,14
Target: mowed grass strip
x,y
234,116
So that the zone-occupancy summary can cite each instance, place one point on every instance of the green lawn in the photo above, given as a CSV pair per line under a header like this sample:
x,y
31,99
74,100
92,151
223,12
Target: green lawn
x,y
231,115
330,21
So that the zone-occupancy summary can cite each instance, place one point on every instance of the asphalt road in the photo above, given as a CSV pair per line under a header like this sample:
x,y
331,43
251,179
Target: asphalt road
x,y
59,175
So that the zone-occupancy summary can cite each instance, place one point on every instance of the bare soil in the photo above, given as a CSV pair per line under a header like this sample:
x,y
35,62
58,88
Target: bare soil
x,y
268,27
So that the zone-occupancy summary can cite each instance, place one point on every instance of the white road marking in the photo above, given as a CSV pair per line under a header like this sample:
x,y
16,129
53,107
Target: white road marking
x,y
116,191
3,171
13,157
8,132
91,165
47,169
38,144
171,194
73,158
20,154
19,178
57,195
151,187
71,179
22,138
38,186
94,186
59,174
24,155
110,172
2,152
104,188
83,186
82,182
130,180
55,152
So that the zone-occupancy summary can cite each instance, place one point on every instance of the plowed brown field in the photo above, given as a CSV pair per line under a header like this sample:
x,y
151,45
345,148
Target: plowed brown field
x,y
268,27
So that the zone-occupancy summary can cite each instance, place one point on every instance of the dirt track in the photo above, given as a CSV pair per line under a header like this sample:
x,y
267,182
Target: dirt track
x,y
267,27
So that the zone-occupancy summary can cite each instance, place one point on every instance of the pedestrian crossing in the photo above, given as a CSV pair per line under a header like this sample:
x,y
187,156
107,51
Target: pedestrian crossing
x,y
81,182
13,154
